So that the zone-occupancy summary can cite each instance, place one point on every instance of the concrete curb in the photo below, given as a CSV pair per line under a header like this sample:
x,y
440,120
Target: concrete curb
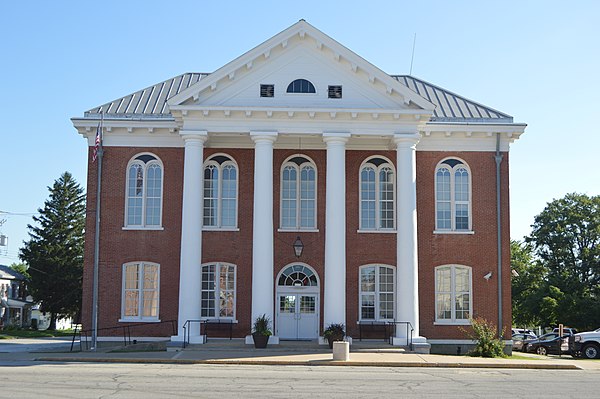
x,y
531,366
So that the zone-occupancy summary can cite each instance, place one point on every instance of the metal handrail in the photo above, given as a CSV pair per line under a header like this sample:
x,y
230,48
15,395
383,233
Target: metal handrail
x,y
126,329
412,330
187,327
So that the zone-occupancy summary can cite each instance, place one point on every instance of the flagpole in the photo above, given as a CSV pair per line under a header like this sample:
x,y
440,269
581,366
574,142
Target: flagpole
x,y
100,153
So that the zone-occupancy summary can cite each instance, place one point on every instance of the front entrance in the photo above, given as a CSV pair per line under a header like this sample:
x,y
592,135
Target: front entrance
x,y
297,316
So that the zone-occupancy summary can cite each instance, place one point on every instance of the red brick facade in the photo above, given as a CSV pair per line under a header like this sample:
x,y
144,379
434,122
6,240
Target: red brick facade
x,y
119,246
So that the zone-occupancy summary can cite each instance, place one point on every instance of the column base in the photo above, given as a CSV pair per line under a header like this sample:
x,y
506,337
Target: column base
x,y
419,344
273,340
194,339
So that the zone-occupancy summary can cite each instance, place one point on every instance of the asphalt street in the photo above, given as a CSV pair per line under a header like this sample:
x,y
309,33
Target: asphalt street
x,y
114,380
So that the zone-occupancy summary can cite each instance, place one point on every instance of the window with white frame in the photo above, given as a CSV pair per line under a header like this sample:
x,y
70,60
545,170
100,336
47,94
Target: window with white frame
x,y
298,194
218,291
453,299
144,192
376,292
220,192
141,282
453,196
377,194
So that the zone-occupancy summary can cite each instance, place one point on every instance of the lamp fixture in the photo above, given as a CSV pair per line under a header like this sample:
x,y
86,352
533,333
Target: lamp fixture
x,y
298,247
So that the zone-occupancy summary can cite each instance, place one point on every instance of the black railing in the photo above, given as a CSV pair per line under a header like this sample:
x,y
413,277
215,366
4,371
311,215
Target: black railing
x,y
388,328
125,330
204,327
187,326
409,326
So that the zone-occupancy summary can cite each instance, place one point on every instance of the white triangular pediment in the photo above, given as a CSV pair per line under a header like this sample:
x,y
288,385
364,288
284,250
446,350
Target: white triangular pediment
x,y
301,52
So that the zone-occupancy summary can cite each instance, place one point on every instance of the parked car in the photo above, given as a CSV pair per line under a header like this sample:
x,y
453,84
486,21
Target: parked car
x,y
523,331
566,331
519,340
585,344
547,344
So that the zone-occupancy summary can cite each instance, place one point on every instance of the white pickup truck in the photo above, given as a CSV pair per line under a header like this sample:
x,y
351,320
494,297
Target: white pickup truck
x,y
585,344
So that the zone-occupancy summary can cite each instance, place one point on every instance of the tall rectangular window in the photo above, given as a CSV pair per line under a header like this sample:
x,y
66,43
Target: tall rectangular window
x,y
218,291
140,291
377,292
453,294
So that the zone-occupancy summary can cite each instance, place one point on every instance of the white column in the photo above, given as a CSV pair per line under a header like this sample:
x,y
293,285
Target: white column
x,y
407,271
262,233
191,234
334,303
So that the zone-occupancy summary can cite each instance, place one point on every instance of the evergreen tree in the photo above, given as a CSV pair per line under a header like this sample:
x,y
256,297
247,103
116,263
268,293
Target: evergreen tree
x,y
54,252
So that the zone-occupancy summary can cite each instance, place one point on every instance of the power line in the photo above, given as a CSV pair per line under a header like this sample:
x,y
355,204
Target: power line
x,y
18,213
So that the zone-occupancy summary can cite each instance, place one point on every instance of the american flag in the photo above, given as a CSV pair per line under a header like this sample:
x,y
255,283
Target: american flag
x,y
97,143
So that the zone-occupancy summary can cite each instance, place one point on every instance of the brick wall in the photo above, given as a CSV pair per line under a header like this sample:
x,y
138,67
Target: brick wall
x,y
119,246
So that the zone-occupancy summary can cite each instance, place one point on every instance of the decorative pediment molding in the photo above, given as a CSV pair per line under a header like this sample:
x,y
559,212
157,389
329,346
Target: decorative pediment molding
x,y
300,31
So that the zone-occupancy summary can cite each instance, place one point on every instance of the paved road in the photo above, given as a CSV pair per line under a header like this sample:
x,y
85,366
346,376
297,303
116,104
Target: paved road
x,y
26,379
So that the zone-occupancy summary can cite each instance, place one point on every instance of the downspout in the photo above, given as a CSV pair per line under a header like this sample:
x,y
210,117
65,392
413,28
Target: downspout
x,y
498,158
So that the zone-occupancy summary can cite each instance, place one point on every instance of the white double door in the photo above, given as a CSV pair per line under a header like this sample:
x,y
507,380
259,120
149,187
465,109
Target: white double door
x,y
297,315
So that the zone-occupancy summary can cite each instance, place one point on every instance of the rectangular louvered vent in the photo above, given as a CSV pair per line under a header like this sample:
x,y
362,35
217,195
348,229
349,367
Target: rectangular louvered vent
x,y
267,90
335,91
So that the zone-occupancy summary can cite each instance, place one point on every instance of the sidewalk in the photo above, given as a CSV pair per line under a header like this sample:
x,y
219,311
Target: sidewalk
x,y
288,353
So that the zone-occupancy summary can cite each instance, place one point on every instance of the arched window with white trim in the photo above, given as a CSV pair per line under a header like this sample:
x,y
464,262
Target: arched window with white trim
x,y
453,294
298,194
453,196
140,293
377,195
376,292
220,192
218,289
144,192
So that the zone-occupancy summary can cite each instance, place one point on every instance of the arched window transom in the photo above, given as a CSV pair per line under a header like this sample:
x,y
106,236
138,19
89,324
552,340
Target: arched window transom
x,y
377,195
453,196
301,86
298,194
220,192
298,276
144,192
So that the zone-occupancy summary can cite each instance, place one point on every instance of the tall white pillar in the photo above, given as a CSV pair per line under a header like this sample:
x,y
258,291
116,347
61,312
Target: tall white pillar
x,y
191,235
334,304
262,233
407,271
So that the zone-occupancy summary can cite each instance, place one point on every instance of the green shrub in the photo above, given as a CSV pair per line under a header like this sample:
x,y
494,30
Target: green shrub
x,y
488,344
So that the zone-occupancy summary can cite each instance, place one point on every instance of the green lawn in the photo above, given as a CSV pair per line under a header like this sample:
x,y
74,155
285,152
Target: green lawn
x,y
10,333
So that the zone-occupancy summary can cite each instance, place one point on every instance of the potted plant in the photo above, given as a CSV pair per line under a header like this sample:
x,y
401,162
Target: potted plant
x,y
334,332
261,331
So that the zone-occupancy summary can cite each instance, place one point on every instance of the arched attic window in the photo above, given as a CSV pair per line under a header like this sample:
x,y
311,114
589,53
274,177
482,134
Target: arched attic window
x,y
301,86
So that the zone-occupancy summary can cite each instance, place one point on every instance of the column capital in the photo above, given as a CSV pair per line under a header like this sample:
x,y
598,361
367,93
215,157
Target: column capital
x,y
406,140
194,135
336,138
265,136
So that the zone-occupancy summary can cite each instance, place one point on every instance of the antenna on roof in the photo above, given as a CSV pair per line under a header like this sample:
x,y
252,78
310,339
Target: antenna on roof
x,y
412,58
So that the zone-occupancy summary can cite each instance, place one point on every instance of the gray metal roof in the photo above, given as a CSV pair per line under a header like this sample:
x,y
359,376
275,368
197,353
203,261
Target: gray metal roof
x,y
450,107
152,101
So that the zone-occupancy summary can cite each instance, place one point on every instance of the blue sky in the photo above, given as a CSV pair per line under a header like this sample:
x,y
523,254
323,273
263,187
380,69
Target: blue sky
x,y
538,61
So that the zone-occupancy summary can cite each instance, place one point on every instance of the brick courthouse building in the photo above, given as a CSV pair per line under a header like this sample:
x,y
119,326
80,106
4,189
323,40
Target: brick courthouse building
x,y
389,183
